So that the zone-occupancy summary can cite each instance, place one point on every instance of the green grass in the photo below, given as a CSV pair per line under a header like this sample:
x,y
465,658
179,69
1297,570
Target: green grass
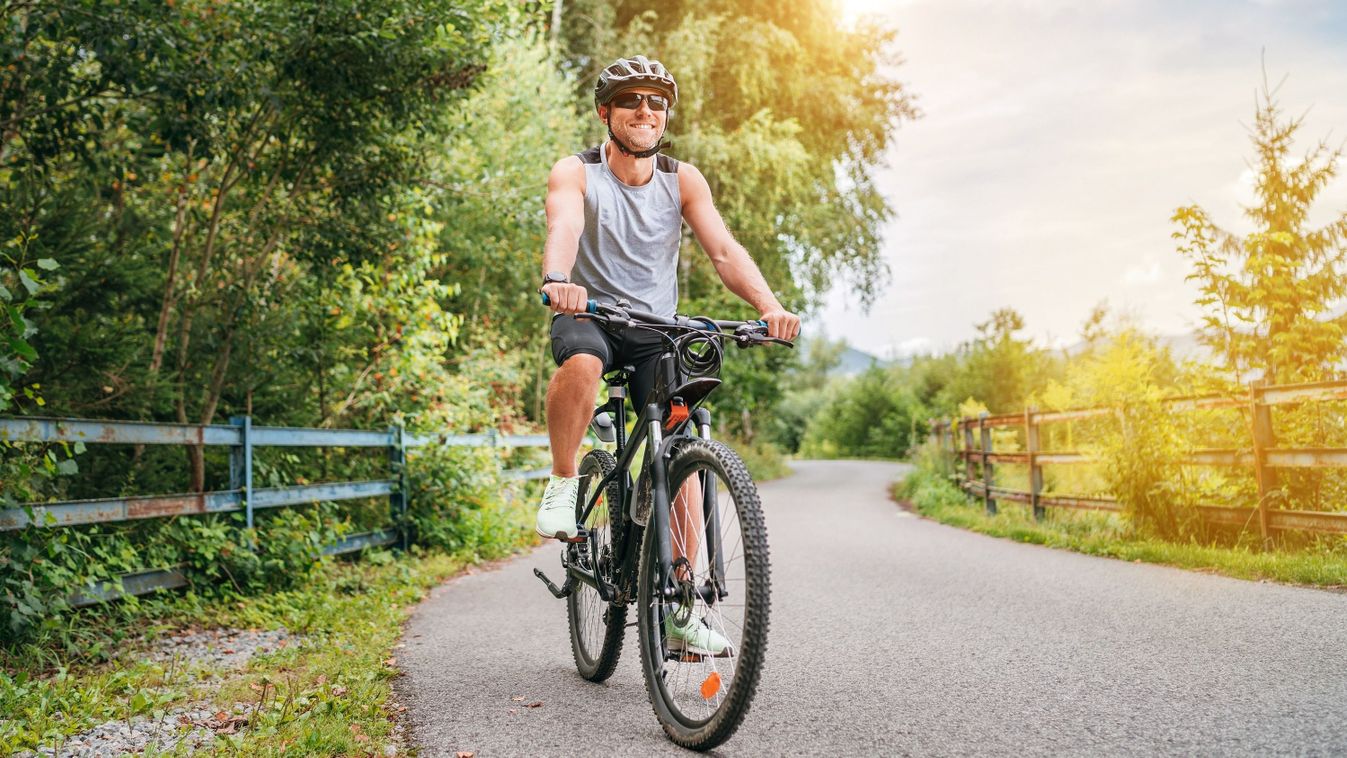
x,y
1110,535
327,696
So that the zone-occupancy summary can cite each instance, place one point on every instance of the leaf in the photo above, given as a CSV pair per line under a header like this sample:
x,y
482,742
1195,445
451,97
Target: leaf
x,y
48,264
29,283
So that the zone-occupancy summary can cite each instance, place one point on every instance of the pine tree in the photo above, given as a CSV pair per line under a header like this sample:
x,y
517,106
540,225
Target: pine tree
x,y
1269,294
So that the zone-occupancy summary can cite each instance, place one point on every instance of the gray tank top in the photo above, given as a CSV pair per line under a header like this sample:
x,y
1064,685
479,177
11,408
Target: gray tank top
x,y
629,248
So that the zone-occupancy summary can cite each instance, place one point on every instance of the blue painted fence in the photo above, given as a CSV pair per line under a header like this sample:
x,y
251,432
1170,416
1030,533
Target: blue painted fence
x,y
242,438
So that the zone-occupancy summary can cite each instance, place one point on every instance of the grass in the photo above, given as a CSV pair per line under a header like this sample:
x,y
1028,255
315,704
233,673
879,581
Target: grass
x,y
330,695
1111,536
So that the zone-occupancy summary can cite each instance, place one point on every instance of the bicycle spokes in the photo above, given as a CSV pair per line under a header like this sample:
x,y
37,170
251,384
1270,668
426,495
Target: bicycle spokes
x,y
703,618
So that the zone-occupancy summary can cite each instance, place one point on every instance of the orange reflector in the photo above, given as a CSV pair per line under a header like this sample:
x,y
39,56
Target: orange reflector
x,y
711,686
678,413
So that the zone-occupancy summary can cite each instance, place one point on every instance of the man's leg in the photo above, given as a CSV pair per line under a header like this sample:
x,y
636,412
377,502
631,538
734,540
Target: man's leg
x,y
577,347
686,522
570,405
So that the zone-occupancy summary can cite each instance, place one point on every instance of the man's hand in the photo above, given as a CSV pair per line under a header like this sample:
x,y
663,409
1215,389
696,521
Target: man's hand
x,y
781,323
564,297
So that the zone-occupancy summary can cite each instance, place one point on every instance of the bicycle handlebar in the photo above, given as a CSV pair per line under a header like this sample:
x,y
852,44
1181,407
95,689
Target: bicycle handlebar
x,y
736,329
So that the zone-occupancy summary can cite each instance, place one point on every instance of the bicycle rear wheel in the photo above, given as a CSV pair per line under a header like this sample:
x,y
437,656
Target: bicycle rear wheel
x,y
700,696
596,626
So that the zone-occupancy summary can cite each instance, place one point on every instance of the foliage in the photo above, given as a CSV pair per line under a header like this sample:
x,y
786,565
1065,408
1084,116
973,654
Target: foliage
x,y
997,368
1109,536
871,416
1269,295
1141,445
189,237
1273,298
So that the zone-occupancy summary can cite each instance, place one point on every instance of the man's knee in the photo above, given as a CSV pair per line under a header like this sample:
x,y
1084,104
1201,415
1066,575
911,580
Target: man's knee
x,y
582,365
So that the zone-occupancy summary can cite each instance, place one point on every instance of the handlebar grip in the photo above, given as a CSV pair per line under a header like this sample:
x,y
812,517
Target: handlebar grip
x,y
591,306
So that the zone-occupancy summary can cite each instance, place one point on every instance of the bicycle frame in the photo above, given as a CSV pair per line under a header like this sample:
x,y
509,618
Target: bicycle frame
x,y
651,427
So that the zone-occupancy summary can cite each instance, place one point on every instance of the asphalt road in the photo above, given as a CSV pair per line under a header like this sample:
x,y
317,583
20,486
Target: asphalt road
x,y
895,635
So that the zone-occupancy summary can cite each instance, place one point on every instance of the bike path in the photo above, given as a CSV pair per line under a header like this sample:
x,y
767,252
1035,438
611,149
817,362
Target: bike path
x,y
894,635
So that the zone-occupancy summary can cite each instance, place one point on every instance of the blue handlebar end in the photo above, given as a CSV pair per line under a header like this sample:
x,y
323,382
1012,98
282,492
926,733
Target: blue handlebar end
x,y
591,306
760,321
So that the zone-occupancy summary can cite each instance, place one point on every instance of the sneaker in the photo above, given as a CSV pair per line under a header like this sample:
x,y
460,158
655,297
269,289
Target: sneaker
x,y
694,636
556,515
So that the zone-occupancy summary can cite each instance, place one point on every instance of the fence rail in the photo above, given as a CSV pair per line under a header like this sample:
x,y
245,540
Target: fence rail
x,y
242,438
969,441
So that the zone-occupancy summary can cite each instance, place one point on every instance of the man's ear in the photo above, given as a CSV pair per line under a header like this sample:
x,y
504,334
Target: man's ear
x,y
603,113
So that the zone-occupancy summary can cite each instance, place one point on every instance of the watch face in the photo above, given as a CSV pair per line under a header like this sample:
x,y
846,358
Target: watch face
x,y
554,276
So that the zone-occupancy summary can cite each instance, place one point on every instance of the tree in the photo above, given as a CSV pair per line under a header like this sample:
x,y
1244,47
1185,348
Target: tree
x,y
997,368
1268,295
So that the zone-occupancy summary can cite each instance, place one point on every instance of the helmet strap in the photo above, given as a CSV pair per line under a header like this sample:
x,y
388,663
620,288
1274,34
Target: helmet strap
x,y
628,151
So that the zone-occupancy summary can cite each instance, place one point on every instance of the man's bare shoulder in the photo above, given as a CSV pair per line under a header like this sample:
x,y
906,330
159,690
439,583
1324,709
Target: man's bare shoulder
x,y
569,172
691,181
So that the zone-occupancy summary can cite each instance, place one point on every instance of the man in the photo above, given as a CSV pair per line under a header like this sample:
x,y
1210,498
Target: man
x,y
614,223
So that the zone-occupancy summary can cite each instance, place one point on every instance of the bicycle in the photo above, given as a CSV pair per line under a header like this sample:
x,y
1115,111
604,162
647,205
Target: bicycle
x,y
621,560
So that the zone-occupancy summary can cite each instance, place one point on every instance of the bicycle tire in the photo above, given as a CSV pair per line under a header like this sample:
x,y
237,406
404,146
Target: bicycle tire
x,y
750,649
596,641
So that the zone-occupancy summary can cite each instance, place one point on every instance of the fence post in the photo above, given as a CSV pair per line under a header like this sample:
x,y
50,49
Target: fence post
x,y
1263,439
397,499
967,425
1032,446
988,501
241,465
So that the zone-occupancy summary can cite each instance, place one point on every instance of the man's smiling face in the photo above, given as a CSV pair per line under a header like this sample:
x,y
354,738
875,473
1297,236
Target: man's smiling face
x,y
638,129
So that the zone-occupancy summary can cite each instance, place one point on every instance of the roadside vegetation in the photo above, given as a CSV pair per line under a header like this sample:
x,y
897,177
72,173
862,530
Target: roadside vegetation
x,y
1274,304
1322,564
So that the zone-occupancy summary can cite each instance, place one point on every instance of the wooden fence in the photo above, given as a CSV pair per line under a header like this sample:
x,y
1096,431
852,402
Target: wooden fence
x,y
969,441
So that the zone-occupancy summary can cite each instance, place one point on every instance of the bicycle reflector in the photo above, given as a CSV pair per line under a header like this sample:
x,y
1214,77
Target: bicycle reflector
x,y
678,413
711,686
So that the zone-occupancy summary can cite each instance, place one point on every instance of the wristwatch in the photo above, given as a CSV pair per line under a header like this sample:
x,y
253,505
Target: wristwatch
x,y
554,277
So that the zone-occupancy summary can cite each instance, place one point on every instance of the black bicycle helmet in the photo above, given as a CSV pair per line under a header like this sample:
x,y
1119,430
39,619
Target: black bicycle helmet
x,y
638,71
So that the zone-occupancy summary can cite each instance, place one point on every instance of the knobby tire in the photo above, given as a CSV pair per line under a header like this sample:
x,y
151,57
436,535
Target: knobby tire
x,y
596,662
706,733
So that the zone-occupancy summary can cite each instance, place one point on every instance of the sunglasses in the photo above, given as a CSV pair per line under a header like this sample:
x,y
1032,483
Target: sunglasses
x,y
633,100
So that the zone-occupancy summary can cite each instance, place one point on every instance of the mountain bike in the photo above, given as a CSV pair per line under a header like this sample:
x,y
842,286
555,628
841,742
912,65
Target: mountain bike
x,y
684,544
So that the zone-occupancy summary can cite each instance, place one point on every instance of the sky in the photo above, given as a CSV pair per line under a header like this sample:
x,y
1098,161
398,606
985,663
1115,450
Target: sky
x,y
1057,140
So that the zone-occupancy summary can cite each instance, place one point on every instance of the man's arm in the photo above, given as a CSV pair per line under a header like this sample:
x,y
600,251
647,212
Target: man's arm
x,y
565,221
736,269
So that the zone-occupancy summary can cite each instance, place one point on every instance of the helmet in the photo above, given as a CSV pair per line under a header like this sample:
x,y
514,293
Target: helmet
x,y
625,73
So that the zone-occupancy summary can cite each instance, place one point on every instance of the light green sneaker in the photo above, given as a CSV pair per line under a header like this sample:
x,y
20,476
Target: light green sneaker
x,y
695,636
556,515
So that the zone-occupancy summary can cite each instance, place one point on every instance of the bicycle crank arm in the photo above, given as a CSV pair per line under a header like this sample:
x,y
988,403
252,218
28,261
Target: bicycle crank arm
x,y
565,589
606,591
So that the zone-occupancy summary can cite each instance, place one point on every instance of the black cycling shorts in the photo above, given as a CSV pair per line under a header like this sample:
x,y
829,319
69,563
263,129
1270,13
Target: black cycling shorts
x,y
632,347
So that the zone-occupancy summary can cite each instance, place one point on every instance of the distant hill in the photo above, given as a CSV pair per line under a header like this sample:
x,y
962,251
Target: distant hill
x,y
853,362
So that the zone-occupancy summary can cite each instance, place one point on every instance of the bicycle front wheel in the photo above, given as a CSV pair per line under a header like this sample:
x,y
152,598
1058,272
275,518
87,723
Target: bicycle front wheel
x,y
596,626
703,628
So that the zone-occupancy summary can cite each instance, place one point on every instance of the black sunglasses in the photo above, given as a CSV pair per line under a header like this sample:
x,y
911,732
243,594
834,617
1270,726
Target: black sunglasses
x,y
633,100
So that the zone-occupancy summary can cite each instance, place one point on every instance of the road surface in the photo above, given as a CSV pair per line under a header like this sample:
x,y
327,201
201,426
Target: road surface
x,y
894,635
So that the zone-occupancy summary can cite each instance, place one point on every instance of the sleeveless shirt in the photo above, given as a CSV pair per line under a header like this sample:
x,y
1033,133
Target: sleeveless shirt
x,y
629,247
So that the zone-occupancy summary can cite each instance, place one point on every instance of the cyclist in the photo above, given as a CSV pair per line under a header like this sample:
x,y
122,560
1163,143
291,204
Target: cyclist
x,y
614,223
